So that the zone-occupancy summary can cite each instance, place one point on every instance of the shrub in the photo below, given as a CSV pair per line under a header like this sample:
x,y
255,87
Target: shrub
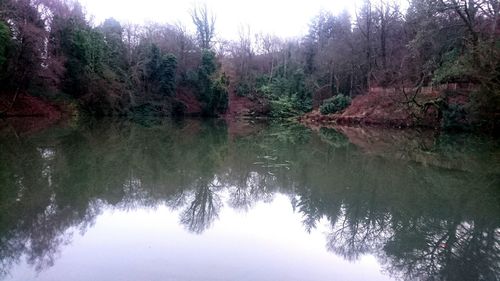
x,y
178,108
454,117
283,107
220,98
243,89
335,104
288,96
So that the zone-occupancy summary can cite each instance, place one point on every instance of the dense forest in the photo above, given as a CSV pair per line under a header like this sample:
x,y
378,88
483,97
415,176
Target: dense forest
x,y
436,62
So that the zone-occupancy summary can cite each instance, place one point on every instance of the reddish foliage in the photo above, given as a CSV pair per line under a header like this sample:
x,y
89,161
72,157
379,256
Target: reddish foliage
x,y
26,105
54,73
186,96
31,114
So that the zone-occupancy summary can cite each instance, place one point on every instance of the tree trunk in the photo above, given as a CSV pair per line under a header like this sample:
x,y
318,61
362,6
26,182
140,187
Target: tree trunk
x,y
272,69
4,112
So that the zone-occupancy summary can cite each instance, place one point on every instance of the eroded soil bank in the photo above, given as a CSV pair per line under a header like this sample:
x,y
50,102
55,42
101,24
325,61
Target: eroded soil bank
x,y
389,108
29,114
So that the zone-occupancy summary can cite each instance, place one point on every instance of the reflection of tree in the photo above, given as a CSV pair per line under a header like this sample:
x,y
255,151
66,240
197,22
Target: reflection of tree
x,y
312,207
354,236
256,170
334,138
249,189
422,221
44,194
203,209
423,232
208,155
33,222
404,216
444,251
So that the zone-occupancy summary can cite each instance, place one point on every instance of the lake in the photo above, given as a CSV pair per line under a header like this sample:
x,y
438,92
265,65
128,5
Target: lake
x,y
246,200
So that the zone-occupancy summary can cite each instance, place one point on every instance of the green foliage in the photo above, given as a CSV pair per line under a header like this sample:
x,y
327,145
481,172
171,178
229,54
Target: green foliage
x,y
116,50
455,67
110,70
243,89
85,51
91,74
283,107
148,109
212,90
4,43
153,64
454,117
208,63
335,104
299,91
206,71
167,70
89,50
288,95
160,72
220,100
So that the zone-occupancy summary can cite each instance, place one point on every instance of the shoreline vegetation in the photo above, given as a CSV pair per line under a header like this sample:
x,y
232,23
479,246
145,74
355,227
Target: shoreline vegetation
x,y
434,65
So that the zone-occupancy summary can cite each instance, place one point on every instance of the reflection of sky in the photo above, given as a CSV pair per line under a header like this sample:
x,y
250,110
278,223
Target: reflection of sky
x,y
268,242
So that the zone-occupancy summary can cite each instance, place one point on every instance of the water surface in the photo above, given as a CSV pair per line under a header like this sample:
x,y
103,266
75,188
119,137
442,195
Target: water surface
x,y
210,200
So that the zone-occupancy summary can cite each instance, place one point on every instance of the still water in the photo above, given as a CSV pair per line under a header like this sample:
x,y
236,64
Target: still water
x,y
246,200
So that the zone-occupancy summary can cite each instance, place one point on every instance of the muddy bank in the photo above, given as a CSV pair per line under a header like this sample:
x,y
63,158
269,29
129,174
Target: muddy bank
x,y
30,106
29,114
387,108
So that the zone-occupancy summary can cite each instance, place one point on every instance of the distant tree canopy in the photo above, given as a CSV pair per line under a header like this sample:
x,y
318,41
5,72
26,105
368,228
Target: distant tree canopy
x,y
434,42
48,48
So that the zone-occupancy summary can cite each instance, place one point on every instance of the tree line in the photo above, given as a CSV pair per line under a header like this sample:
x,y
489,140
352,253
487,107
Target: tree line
x,y
429,43
48,48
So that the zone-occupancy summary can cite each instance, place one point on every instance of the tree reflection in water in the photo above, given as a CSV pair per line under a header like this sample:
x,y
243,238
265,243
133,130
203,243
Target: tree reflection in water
x,y
203,209
427,206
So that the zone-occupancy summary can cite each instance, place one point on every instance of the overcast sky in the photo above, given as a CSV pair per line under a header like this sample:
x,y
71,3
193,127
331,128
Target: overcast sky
x,y
285,18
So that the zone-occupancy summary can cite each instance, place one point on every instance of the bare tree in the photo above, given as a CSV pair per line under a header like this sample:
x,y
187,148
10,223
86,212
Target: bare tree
x,y
364,20
204,21
270,46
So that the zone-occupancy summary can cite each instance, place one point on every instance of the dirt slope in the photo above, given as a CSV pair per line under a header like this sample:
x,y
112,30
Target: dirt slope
x,y
380,108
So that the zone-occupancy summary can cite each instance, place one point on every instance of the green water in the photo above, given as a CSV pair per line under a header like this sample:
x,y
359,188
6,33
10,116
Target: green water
x,y
246,200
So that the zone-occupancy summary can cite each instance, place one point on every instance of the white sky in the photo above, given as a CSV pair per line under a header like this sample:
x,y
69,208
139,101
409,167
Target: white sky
x,y
285,18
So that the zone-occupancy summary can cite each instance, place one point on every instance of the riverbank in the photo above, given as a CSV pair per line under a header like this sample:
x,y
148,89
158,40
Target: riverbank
x,y
29,114
431,108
